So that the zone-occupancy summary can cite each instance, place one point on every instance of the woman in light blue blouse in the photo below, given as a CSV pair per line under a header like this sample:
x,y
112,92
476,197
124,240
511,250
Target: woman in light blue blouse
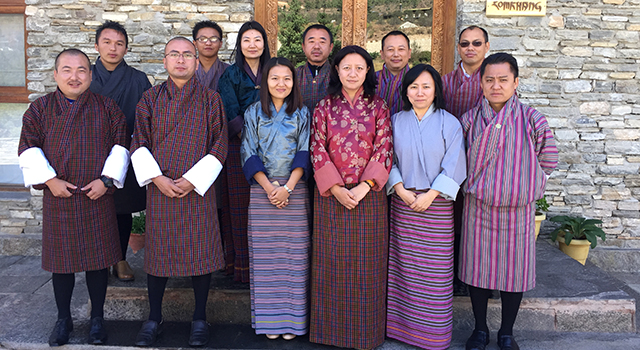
x,y
429,166
275,158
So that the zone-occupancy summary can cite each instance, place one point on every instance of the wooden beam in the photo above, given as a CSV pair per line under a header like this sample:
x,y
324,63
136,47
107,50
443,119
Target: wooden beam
x,y
266,13
443,36
354,22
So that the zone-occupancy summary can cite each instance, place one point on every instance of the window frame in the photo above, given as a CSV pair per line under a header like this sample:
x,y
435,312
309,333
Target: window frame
x,y
16,94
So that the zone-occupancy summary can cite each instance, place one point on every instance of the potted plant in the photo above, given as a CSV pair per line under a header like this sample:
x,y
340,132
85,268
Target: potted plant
x,y
576,234
541,207
136,240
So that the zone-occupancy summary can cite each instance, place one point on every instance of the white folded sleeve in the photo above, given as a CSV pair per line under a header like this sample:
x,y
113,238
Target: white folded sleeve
x,y
145,166
204,173
116,165
35,167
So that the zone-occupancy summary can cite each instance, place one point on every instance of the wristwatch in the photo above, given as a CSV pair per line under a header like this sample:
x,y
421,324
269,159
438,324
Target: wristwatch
x,y
108,182
287,188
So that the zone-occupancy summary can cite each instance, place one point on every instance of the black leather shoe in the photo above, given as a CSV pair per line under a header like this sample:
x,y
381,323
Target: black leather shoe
x,y
199,333
148,333
60,334
97,334
477,341
506,342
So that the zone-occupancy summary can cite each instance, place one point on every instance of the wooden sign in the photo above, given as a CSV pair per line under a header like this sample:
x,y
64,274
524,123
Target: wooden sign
x,y
513,8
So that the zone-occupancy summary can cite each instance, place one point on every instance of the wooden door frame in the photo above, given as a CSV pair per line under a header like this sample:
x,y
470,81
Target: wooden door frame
x,y
354,28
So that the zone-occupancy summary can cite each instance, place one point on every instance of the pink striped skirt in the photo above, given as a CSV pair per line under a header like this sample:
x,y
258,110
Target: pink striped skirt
x,y
279,248
420,292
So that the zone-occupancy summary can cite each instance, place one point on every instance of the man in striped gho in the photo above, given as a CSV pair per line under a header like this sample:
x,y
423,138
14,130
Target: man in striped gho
x,y
510,154
462,91
177,151
396,53
73,146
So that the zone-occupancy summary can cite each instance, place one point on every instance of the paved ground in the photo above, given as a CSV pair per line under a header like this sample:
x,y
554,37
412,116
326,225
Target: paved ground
x,y
27,314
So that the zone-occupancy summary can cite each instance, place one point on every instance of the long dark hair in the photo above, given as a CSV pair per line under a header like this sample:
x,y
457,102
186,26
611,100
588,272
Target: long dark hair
x,y
293,100
412,75
237,52
370,82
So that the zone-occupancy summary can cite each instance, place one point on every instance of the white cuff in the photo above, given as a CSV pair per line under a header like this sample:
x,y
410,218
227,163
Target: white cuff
x,y
35,167
116,165
204,173
145,166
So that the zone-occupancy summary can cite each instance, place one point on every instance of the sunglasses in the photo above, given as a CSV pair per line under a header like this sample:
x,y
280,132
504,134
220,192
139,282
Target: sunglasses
x,y
476,43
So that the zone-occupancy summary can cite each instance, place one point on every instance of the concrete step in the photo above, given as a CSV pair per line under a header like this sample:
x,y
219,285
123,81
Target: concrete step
x,y
21,244
568,297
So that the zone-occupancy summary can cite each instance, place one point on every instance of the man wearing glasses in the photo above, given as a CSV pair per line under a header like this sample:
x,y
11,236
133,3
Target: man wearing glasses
x,y
462,89
178,148
462,92
207,35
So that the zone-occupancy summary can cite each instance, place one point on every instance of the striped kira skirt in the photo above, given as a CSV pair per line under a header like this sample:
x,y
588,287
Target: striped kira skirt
x,y
419,308
279,248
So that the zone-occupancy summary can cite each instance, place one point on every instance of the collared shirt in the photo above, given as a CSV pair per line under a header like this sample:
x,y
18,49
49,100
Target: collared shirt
x,y
390,88
351,143
313,87
210,78
275,145
509,153
428,153
462,92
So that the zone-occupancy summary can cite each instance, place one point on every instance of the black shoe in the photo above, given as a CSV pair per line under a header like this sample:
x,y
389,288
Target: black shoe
x,y
460,288
148,333
199,333
506,342
97,334
60,334
477,341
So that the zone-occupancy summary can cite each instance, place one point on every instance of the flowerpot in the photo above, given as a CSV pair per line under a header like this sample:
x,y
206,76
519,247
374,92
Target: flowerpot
x,y
578,249
136,241
539,219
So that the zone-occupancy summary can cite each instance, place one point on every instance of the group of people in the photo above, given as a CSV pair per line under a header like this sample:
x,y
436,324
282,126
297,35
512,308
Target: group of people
x,y
329,187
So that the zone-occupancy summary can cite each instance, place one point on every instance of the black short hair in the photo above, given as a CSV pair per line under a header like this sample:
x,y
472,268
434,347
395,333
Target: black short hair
x,y
294,100
317,26
72,52
370,81
412,75
394,33
497,58
237,51
486,35
115,26
180,38
206,24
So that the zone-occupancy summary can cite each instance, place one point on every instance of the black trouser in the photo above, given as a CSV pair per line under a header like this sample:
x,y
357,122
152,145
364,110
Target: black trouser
x,y
156,286
125,221
510,306
63,284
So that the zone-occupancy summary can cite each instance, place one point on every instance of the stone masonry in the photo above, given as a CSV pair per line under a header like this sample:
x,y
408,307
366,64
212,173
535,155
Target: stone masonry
x,y
580,66
53,25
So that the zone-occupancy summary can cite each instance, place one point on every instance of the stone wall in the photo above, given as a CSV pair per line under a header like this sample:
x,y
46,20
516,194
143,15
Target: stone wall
x,y
580,66
53,25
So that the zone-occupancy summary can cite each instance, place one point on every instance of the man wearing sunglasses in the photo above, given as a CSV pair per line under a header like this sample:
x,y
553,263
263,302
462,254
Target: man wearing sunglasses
x,y
178,148
207,36
462,92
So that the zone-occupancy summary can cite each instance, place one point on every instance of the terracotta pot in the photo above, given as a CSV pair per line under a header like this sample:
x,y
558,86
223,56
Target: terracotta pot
x,y
539,219
136,241
578,249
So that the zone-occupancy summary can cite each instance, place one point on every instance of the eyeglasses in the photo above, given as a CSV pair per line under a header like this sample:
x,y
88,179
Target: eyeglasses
x,y
476,43
204,39
176,55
